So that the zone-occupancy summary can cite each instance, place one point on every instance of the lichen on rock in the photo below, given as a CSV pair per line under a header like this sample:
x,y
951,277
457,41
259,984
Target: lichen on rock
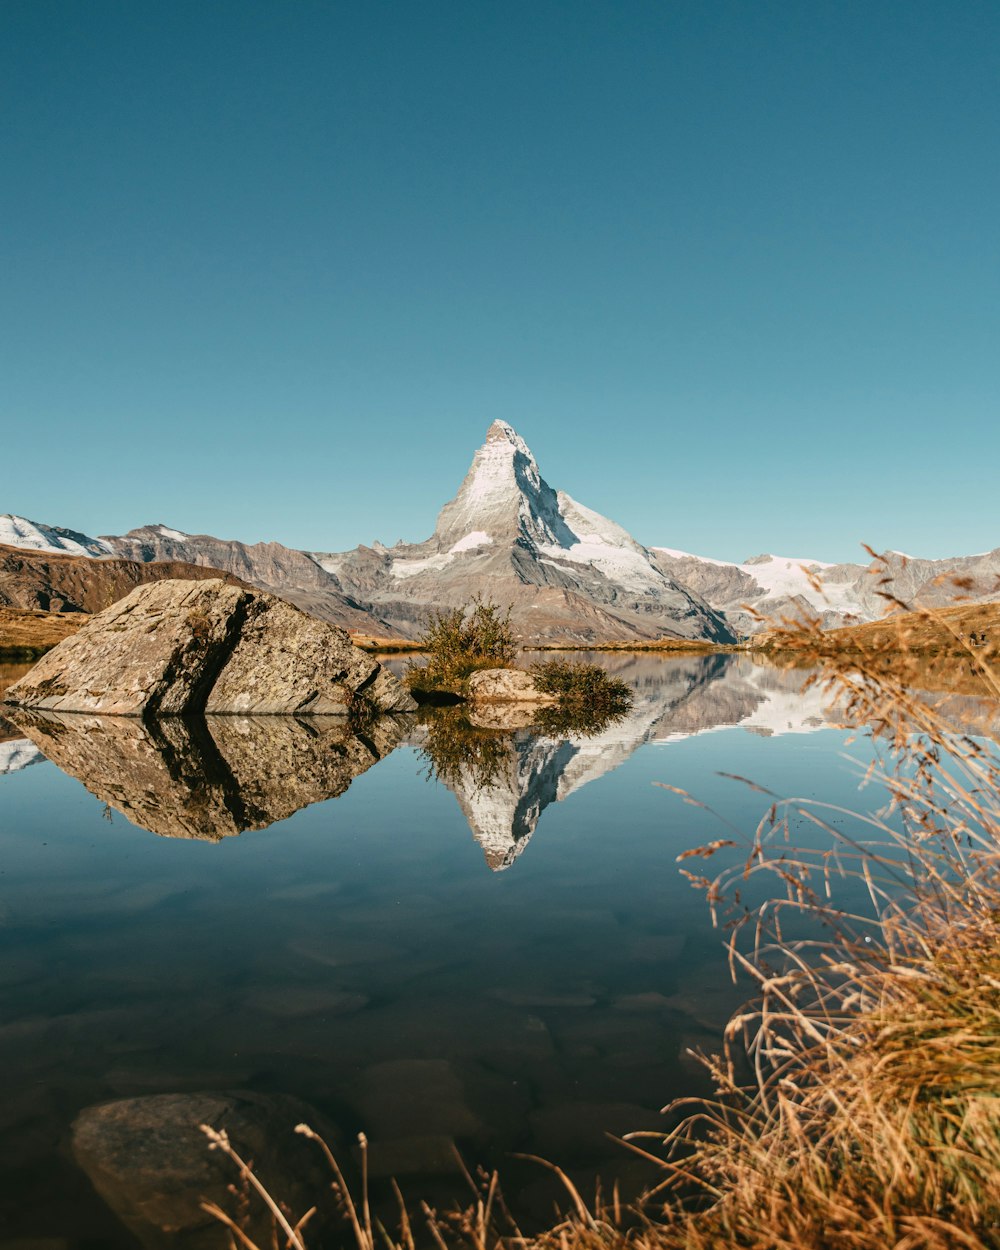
x,y
507,685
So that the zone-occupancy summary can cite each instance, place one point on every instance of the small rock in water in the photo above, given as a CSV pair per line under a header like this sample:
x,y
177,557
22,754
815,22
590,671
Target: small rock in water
x,y
580,1129
428,1155
414,1097
506,685
540,998
651,1000
337,952
658,947
290,1001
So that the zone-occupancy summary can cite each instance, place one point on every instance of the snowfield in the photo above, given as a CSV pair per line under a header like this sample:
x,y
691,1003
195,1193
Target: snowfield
x,y
18,531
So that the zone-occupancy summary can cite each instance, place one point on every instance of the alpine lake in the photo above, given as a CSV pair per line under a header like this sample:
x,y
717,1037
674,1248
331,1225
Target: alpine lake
x,y
435,935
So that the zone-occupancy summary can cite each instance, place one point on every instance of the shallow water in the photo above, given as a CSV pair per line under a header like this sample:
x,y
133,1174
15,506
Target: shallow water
x,y
517,965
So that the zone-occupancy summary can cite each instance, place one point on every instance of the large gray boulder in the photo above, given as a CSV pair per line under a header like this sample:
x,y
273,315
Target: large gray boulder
x,y
176,647
150,1162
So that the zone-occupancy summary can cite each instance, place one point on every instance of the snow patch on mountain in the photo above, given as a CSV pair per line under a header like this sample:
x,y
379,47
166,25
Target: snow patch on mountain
x,y
478,538
675,554
788,576
773,579
18,531
410,568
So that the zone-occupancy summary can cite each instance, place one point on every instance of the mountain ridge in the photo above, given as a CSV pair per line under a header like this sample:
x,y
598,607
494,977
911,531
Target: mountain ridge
x,y
569,573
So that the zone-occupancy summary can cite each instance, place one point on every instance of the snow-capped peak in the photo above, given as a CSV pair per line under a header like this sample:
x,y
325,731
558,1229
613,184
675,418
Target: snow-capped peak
x,y
503,495
18,531
504,505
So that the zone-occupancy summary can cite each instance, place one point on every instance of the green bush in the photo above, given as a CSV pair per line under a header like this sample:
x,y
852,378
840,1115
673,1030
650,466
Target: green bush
x,y
582,688
457,751
462,640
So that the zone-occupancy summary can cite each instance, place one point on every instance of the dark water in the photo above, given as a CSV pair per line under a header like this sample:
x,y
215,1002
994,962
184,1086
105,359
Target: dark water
x,y
518,966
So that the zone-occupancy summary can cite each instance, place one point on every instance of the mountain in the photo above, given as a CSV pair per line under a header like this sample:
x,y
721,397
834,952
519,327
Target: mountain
x,y
18,531
32,579
840,594
285,572
567,572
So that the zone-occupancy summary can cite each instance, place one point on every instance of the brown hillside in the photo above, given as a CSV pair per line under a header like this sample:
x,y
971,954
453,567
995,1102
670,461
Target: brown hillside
x,y
31,631
929,650
36,580
938,630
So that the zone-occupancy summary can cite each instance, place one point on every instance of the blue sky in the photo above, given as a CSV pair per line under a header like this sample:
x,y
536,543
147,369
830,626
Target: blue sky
x,y
731,269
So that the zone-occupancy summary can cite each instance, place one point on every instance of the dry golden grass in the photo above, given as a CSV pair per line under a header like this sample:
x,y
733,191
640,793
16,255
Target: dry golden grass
x,y
871,1120
687,645
29,632
929,631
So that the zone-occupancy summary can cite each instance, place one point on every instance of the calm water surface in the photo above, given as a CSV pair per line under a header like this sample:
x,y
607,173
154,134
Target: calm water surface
x,y
510,960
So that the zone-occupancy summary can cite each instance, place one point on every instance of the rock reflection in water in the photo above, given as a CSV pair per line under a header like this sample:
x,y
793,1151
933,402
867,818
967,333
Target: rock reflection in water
x,y
210,777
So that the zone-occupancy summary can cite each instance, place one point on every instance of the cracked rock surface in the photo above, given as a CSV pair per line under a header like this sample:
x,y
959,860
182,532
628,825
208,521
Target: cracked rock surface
x,y
177,647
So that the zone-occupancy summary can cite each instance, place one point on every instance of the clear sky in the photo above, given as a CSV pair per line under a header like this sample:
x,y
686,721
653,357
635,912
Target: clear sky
x,y
269,270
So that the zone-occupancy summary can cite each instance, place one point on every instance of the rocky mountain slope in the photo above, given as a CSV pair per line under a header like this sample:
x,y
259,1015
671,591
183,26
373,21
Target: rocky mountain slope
x,y
840,594
290,574
567,572
31,579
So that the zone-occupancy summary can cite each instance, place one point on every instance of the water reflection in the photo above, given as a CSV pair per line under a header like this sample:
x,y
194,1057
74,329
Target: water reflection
x,y
506,765
16,751
365,960
210,777
215,777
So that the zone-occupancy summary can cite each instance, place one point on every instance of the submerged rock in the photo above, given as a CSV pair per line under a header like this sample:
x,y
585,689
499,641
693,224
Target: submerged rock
x,y
150,1162
506,685
177,647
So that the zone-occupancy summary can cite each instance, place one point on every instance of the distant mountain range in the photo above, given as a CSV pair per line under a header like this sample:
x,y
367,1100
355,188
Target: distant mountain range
x,y
568,573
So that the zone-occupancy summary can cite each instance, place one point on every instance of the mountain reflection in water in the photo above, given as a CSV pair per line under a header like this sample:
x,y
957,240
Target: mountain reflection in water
x,y
214,777
503,781
217,776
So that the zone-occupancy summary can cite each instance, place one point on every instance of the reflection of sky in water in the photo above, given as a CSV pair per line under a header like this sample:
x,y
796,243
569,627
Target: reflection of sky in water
x,y
313,956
